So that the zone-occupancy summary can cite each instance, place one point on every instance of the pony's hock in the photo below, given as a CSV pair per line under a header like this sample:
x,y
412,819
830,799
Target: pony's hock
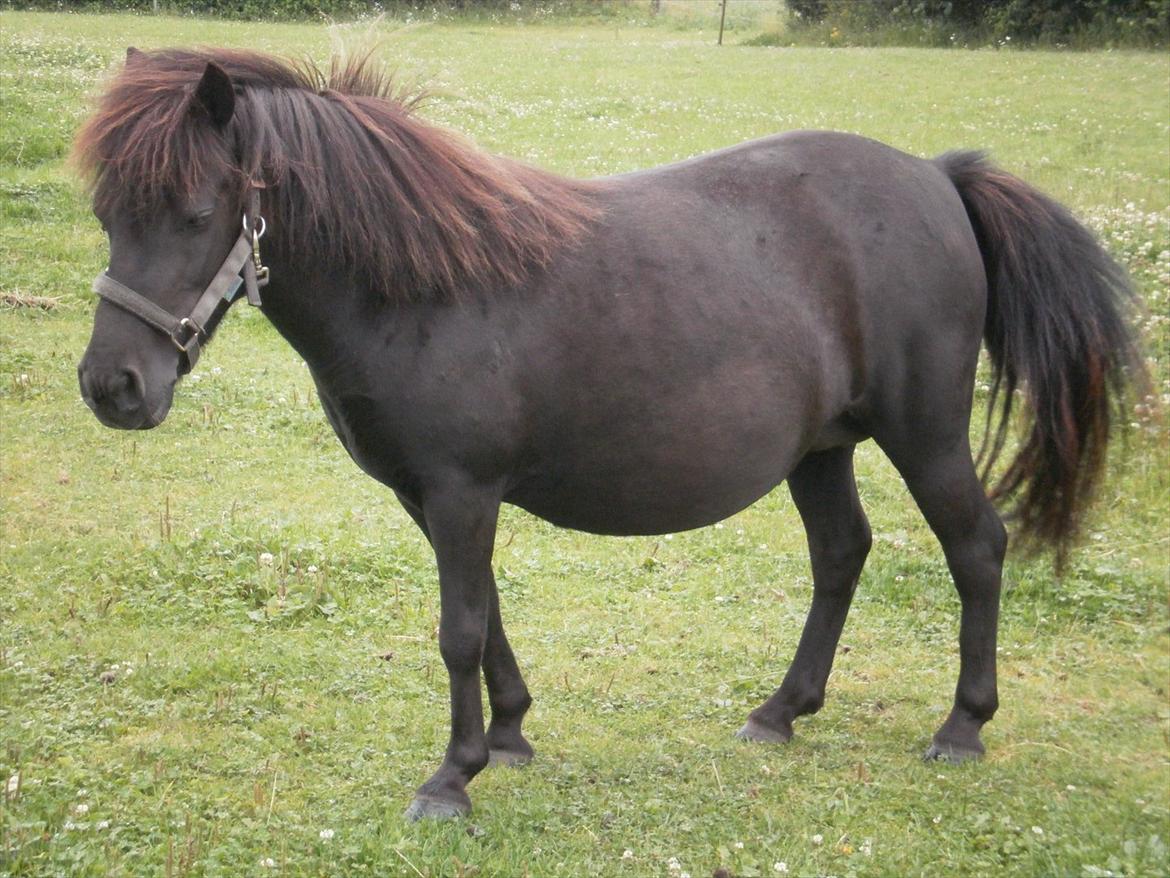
x,y
630,355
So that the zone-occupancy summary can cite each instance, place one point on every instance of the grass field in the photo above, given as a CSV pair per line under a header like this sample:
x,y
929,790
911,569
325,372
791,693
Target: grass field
x,y
217,651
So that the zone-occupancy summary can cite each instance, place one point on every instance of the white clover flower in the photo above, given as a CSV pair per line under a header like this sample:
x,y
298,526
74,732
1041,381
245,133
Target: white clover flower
x,y
818,839
781,867
81,808
673,864
739,845
267,863
325,834
627,854
1036,830
266,559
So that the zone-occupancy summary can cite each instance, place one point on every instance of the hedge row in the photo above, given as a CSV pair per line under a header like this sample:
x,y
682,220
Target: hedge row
x,y
277,9
940,22
1025,21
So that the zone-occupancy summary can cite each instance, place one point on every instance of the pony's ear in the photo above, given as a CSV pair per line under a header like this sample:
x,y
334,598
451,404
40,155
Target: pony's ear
x,y
216,94
133,56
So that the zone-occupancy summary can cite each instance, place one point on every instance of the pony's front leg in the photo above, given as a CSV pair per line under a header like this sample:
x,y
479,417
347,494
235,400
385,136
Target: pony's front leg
x,y
461,524
507,693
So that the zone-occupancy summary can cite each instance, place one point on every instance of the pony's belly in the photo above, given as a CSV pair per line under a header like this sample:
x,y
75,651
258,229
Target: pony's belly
x,y
615,514
628,502
684,453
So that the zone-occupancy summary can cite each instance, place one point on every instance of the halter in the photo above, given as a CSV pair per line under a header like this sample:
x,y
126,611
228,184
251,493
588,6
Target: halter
x,y
242,267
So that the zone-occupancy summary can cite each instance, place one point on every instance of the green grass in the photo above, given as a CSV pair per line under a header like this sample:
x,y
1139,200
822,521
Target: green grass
x,y
174,702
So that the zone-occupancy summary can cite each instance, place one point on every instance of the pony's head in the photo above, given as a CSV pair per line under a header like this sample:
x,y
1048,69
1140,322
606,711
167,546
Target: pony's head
x,y
169,192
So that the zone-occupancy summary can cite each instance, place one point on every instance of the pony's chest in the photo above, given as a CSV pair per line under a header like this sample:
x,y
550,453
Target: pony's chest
x,y
359,421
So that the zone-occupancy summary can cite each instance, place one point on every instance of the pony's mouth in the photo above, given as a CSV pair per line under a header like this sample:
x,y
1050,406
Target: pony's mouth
x,y
133,421
155,417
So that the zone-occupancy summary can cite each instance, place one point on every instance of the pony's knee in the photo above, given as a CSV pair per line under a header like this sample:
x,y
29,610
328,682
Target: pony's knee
x,y
837,562
461,644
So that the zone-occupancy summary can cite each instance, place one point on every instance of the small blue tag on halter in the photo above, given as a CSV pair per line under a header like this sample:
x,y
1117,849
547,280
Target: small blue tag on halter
x,y
233,292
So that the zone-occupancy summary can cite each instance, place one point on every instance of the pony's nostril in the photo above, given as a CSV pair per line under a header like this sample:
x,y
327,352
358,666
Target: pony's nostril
x,y
120,382
125,390
121,389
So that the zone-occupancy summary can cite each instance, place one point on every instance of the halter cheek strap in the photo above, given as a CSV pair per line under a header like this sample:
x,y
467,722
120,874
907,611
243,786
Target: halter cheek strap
x,y
242,267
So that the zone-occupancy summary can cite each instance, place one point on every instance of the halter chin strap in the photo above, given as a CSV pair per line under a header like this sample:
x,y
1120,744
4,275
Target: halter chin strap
x,y
242,267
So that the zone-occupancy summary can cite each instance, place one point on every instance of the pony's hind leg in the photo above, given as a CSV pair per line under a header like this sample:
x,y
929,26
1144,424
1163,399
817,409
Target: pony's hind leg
x,y
825,492
948,491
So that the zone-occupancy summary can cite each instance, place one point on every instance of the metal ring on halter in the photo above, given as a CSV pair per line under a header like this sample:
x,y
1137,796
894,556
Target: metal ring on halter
x,y
263,227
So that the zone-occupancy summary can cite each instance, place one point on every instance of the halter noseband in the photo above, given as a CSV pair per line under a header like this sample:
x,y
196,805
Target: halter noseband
x,y
242,267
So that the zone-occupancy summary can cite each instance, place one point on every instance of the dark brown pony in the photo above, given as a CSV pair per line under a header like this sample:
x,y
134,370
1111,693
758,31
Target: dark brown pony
x,y
631,355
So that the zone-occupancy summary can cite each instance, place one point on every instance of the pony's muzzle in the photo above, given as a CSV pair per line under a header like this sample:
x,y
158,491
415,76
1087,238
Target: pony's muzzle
x,y
117,397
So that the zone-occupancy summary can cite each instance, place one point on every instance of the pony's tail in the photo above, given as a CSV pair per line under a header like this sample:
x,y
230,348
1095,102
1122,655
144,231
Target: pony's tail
x,y
1058,329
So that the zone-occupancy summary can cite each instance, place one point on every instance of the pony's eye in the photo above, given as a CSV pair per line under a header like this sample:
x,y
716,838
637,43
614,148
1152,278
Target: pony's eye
x,y
198,220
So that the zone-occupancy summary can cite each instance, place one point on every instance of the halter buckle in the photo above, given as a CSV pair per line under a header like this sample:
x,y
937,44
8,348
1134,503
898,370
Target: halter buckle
x,y
193,331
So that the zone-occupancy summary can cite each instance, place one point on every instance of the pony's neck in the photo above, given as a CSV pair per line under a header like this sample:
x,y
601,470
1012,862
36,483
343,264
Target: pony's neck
x,y
408,209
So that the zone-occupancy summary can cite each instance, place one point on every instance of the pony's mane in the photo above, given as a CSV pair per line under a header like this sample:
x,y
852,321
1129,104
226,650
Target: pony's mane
x,y
350,173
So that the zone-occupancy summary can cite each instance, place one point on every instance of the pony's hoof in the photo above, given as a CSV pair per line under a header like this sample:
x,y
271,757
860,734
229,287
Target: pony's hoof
x,y
760,733
953,754
510,758
425,807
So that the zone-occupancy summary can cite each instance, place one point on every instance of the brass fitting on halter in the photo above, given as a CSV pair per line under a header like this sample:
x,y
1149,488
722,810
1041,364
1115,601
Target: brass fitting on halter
x,y
256,272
